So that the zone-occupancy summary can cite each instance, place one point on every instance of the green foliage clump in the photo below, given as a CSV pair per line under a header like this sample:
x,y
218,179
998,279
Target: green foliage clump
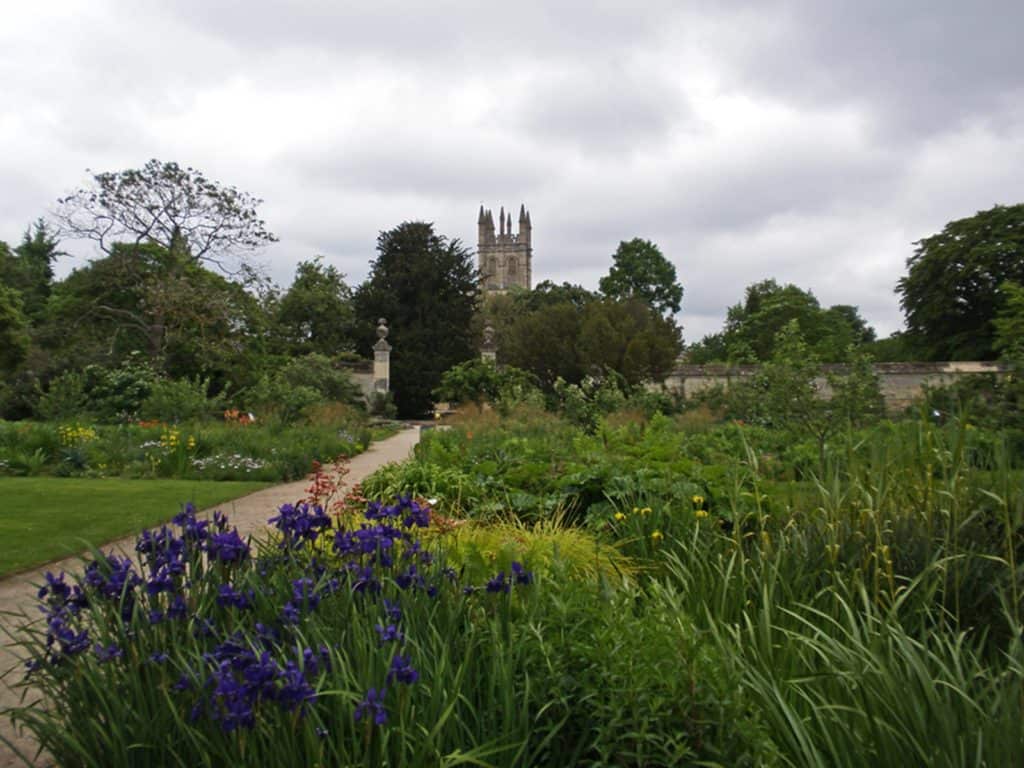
x,y
952,293
287,394
14,338
179,400
105,394
480,381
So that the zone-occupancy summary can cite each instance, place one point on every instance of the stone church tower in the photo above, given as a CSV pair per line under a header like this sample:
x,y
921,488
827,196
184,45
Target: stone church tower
x,y
505,260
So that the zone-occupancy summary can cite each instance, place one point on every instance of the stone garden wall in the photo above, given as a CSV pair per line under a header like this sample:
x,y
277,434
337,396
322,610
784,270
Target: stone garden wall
x,y
900,382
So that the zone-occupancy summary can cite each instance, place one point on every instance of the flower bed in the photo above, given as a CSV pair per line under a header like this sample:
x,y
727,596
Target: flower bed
x,y
341,641
200,451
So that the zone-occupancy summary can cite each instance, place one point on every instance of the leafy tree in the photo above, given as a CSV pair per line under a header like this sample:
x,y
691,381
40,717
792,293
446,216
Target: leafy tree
x,y
791,395
843,323
547,293
710,349
951,292
166,205
14,338
891,349
768,308
545,342
426,287
187,320
531,334
568,333
1009,323
752,327
29,268
315,314
630,338
640,270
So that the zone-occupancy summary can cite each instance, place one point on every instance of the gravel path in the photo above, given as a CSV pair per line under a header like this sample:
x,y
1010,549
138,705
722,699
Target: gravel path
x,y
249,513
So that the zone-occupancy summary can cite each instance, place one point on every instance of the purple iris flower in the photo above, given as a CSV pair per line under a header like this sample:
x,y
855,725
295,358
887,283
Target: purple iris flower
x,y
402,671
522,576
389,634
107,653
227,547
373,706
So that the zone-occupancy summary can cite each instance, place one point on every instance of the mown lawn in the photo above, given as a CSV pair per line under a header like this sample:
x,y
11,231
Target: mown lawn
x,y
45,518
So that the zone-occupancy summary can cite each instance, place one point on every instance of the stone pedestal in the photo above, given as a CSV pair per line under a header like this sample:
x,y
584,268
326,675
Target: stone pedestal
x,y
382,359
489,350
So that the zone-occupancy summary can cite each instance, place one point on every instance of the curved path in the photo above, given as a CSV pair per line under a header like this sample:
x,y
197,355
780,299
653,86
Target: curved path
x,y
248,513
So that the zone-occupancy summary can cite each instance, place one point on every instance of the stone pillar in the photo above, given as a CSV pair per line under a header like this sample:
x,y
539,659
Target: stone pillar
x,y
489,351
382,359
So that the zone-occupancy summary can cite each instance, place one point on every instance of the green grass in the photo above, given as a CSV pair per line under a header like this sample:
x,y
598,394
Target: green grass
x,y
45,518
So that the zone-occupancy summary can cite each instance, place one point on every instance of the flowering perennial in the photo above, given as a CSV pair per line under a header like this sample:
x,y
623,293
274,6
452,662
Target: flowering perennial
x,y
240,651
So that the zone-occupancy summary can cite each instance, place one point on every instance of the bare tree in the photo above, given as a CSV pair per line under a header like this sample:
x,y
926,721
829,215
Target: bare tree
x,y
164,204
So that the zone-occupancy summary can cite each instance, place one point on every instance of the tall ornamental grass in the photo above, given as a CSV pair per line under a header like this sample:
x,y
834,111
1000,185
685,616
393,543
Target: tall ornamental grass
x,y
871,613
880,627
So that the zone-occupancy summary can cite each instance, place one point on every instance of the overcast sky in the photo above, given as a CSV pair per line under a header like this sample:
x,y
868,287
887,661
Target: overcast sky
x,y
806,140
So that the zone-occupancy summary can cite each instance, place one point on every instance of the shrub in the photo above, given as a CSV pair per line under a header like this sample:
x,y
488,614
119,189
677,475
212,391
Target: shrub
x,y
480,381
178,400
65,398
319,372
276,398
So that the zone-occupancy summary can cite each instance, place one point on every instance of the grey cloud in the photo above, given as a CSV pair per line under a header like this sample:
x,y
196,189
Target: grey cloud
x,y
431,164
450,31
923,66
603,107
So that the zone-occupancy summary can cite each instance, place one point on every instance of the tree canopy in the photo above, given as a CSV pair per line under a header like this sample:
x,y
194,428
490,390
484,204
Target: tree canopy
x,y
566,332
952,290
1009,323
186,319
14,338
315,314
639,270
752,327
28,268
425,286
164,204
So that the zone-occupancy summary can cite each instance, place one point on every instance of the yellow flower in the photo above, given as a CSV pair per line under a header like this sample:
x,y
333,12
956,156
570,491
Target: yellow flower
x,y
701,513
645,511
636,510
657,536
619,516
191,442
698,500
